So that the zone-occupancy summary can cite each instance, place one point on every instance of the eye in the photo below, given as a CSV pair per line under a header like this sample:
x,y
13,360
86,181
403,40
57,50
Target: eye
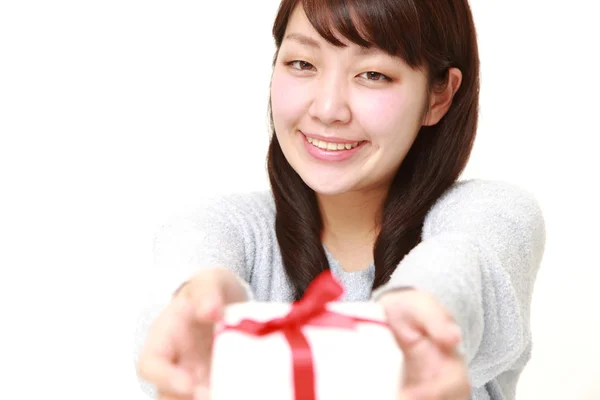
x,y
375,76
301,65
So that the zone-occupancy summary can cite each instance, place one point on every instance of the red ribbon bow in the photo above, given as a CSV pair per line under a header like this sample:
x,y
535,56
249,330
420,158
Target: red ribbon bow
x,y
309,311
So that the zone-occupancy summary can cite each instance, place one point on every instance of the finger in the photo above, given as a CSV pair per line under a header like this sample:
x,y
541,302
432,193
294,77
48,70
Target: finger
x,y
166,377
201,360
427,316
207,297
404,395
408,332
202,393
194,343
453,384
159,343
422,361
437,323
458,391
156,361
211,308
164,396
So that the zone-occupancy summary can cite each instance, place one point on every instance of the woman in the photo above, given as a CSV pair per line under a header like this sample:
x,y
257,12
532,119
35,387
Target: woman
x,y
374,111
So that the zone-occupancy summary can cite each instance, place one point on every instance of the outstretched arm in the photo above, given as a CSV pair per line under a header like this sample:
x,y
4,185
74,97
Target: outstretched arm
x,y
482,247
209,238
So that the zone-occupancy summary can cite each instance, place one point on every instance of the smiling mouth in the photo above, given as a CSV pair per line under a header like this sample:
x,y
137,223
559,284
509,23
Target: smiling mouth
x,y
323,145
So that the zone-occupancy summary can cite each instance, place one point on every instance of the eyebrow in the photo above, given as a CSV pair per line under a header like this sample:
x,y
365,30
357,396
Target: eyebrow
x,y
310,42
304,40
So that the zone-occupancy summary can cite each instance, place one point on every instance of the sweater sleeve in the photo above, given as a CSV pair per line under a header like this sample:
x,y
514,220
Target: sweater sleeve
x,y
482,245
212,236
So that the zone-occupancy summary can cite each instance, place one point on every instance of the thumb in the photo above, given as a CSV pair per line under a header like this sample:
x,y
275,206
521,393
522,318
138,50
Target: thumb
x,y
205,292
210,307
407,333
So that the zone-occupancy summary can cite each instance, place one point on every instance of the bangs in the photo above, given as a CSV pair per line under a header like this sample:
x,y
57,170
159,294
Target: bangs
x,y
389,25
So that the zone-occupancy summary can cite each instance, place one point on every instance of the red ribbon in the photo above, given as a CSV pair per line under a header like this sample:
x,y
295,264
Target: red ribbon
x,y
309,311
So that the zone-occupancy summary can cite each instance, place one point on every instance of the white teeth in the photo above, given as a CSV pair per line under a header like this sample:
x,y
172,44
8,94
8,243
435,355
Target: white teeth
x,y
331,146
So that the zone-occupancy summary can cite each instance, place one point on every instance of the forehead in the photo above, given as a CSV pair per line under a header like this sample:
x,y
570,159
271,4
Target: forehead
x,y
299,30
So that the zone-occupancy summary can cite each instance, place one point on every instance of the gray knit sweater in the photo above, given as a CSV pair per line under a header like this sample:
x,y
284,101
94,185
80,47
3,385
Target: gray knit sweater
x,y
482,246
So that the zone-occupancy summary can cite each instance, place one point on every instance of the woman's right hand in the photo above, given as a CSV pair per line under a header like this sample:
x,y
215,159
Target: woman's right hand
x,y
177,353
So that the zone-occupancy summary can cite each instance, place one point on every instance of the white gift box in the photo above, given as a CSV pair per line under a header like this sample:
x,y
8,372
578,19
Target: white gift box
x,y
362,362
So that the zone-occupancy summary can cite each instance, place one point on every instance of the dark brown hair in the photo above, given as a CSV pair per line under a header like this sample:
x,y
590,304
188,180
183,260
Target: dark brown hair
x,y
432,35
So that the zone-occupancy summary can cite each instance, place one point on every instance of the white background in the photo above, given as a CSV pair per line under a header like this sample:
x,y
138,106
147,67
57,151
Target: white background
x,y
116,114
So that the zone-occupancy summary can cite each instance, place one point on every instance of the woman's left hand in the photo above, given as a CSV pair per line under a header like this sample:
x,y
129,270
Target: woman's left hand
x,y
428,337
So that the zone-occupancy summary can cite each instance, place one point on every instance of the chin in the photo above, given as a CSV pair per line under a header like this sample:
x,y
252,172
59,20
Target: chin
x,y
327,185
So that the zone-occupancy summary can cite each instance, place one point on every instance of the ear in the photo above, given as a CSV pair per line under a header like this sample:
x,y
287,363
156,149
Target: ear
x,y
441,100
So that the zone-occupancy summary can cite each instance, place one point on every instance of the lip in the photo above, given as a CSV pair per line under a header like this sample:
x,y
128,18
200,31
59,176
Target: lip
x,y
330,139
330,156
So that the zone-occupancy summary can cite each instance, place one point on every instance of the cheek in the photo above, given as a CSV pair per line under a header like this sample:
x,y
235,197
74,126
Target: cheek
x,y
288,98
389,115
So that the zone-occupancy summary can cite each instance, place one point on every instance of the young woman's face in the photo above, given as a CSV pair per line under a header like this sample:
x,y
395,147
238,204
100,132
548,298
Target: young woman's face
x,y
344,117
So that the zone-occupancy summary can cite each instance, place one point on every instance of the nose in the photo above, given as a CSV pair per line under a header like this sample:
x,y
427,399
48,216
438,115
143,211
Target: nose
x,y
330,103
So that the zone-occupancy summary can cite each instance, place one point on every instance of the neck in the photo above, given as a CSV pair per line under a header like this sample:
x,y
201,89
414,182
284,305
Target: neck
x,y
351,219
